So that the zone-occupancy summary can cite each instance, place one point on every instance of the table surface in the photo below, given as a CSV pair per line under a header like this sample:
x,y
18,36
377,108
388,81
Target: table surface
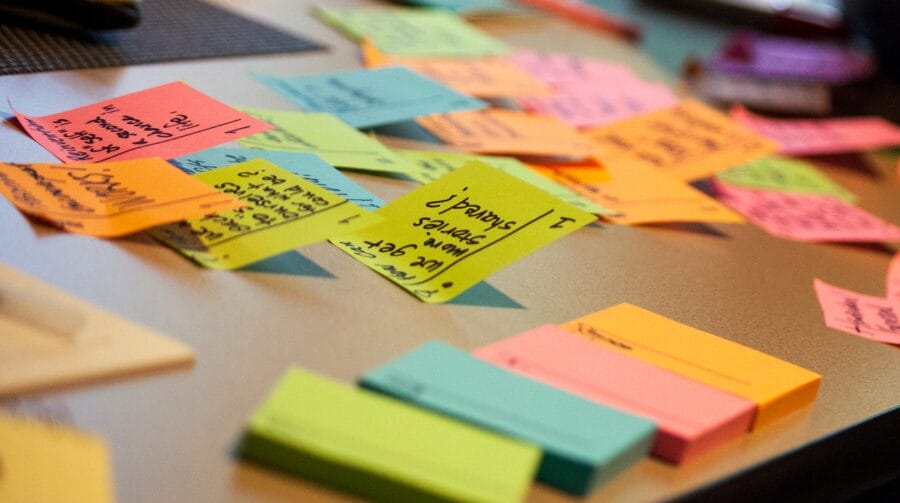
x,y
172,434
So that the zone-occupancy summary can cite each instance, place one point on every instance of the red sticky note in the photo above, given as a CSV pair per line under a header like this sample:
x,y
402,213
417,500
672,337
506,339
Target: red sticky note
x,y
865,316
167,121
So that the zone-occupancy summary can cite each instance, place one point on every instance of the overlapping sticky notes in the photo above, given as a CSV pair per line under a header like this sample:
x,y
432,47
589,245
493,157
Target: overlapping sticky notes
x,y
687,141
508,132
438,240
371,97
432,165
822,136
640,194
784,175
283,212
562,70
165,121
332,139
380,448
776,386
413,32
583,443
109,199
691,416
309,166
488,77
806,217
873,318
42,462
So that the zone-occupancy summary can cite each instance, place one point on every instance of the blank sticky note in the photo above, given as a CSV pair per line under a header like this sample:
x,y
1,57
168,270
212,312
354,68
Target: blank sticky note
x,y
584,443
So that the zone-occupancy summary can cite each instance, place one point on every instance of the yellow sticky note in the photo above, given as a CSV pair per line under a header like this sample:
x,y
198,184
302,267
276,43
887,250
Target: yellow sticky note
x,y
444,237
776,386
641,194
687,141
283,212
109,199
41,462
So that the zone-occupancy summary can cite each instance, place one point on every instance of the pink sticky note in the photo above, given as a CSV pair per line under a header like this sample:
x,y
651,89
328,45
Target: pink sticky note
x,y
167,121
563,69
806,217
869,317
822,136
692,417
893,281
584,106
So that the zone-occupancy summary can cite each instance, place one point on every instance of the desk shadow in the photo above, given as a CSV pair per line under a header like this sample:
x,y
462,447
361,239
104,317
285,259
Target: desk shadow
x,y
485,295
408,130
881,248
854,161
290,263
692,227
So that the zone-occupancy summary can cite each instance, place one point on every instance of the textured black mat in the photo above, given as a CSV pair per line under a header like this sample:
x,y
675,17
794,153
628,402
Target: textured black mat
x,y
170,30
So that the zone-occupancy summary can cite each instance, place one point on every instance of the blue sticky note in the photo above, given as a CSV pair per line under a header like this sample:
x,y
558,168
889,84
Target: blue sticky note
x,y
371,97
583,442
309,166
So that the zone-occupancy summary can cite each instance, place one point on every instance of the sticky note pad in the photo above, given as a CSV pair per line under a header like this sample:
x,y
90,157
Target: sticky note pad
x,y
691,416
381,448
775,386
42,462
583,443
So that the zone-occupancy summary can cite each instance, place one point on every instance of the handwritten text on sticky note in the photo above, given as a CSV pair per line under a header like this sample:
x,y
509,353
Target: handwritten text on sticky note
x,y
597,106
870,317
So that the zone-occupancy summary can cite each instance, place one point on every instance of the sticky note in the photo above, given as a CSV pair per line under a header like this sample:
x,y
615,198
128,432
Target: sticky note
x,y
371,97
692,417
413,32
165,121
42,462
381,448
865,316
563,70
438,240
776,387
583,443
508,132
687,141
309,166
592,106
640,194
822,136
432,165
784,175
806,217
893,280
109,199
332,139
283,212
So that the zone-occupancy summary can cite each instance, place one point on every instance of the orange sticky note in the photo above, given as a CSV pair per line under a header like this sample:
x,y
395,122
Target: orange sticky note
x,y
112,198
893,280
167,121
641,194
508,132
687,141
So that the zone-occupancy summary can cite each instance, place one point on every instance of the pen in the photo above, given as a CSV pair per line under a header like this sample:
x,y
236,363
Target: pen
x,y
590,16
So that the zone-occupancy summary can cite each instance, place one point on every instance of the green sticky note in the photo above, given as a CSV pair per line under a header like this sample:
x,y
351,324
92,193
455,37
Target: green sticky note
x,y
784,175
413,32
381,448
429,166
332,139
584,443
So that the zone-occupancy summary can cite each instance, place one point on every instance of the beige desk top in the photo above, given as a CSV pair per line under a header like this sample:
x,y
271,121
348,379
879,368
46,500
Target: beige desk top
x,y
171,434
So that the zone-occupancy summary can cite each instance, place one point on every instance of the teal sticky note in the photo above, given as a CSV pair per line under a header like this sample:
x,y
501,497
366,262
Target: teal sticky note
x,y
583,443
371,97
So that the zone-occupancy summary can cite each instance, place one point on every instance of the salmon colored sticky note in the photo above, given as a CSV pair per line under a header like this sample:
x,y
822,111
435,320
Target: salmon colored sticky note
x,y
42,462
687,141
822,136
806,217
776,386
284,211
873,318
641,194
111,198
166,121
893,280
440,239
508,132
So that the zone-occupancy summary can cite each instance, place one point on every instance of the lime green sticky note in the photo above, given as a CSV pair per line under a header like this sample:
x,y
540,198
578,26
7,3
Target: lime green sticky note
x,y
382,448
413,32
430,166
784,175
440,239
332,139
282,211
